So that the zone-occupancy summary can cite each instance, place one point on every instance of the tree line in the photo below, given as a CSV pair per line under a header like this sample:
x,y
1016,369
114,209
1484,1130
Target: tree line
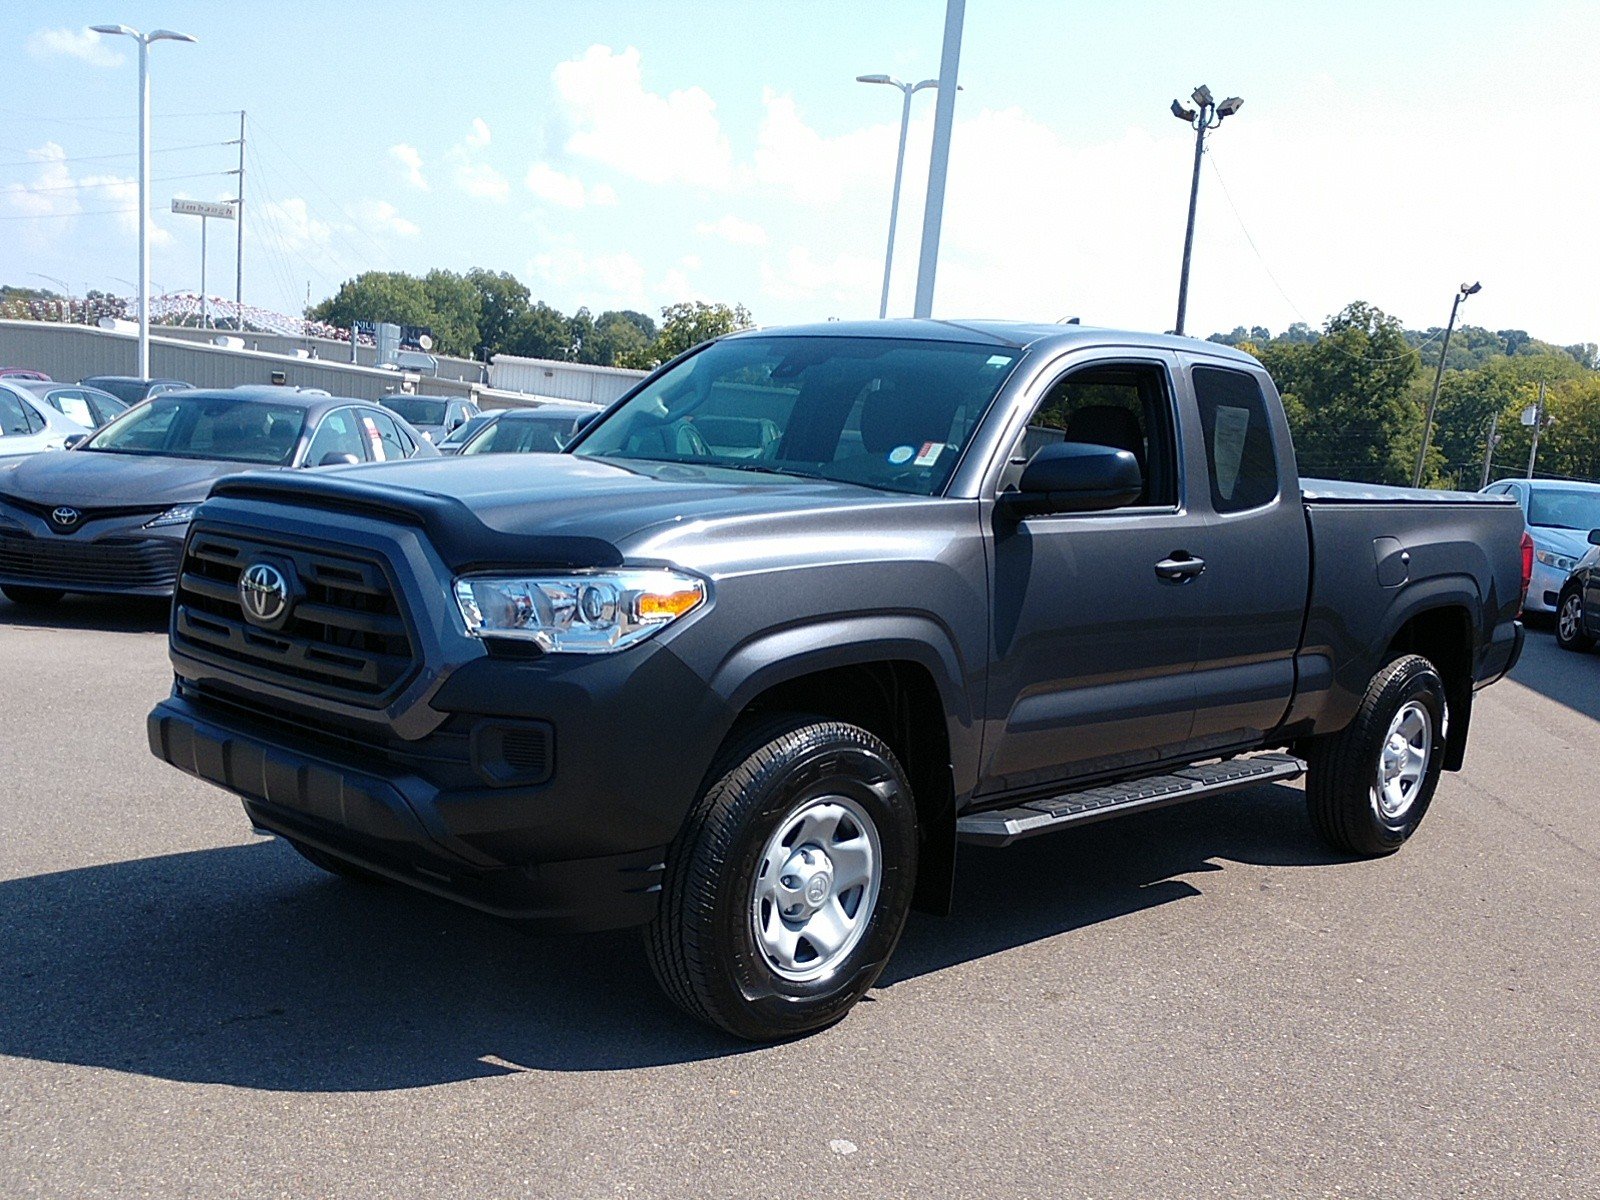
x,y
483,313
1357,391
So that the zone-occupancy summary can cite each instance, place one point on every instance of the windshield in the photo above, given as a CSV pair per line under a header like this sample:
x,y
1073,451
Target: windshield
x,y
887,413
1563,508
186,425
524,435
416,409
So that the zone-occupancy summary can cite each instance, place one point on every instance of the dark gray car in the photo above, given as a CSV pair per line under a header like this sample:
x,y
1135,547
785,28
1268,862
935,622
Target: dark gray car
x,y
542,430
110,515
435,417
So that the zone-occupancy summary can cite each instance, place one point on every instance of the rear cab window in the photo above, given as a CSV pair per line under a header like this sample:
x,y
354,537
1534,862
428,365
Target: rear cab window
x,y
1241,462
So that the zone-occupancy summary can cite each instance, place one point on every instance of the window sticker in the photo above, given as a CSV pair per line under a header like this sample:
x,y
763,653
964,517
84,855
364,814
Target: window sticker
x,y
900,454
1227,446
929,454
374,439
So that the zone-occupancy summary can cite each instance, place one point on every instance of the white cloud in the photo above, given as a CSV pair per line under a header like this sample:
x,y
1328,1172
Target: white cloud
x,y
381,217
841,279
475,178
674,138
85,45
811,169
736,231
295,227
482,181
600,281
550,185
410,159
57,196
603,195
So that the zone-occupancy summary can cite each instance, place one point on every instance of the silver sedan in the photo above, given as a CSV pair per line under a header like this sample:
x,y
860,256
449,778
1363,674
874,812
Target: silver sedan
x,y
28,424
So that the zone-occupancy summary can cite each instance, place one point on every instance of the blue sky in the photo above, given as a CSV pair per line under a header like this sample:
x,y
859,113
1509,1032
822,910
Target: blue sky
x,y
634,154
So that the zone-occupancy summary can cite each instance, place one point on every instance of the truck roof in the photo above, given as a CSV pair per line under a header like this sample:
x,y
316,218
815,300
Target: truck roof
x,y
1012,334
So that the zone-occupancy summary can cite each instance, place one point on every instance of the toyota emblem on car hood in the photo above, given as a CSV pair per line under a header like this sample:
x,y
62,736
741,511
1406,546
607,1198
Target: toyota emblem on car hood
x,y
65,517
263,593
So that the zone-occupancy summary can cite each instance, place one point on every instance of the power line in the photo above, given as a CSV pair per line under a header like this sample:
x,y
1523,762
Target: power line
x,y
42,162
82,212
25,190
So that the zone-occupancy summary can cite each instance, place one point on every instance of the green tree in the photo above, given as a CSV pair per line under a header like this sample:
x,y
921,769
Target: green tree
x,y
543,332
376,296
686,325
454,305
503,304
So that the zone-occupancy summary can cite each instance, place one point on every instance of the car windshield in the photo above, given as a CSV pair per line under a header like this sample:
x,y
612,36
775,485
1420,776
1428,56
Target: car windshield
x,y
465,430
189,425
886,413
1563,508
524,435
416,409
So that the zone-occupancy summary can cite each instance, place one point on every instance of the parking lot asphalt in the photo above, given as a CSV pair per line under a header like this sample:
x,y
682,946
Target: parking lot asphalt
x,y
1197,1002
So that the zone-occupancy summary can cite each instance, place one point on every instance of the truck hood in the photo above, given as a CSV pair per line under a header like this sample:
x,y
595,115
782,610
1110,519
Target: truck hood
x,y
559,507
93,479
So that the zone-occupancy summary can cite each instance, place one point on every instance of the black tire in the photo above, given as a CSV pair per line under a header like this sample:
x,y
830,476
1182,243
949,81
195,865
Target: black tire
x,y
31,597
334,865
1342,790
703,944
1569,632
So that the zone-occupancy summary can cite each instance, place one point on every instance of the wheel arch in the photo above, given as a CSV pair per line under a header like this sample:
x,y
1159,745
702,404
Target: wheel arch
x,y
1445,634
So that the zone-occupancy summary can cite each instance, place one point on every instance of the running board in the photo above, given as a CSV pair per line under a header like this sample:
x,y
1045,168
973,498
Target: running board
x,y
1002,826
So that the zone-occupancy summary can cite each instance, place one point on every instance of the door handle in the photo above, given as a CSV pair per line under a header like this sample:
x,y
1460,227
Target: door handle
x,y
1180,568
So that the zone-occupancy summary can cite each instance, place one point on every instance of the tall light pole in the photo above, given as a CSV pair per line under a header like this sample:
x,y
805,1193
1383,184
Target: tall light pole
x,y
906,90
144,40
1206,115
1462,292
944,119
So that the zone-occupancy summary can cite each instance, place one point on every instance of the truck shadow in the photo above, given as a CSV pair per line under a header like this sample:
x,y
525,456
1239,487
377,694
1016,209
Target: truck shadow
x,y
242,965
107,614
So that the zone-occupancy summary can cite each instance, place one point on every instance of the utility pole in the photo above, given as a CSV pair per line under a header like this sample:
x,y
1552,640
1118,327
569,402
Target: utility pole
x,y
944,119
238,257
204,314
1488,452
1465,290
1538,424
1206,115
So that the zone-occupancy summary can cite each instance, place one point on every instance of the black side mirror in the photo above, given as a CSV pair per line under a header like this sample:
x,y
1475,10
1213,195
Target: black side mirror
x,y
334,459
74,440
1075,477
1594,537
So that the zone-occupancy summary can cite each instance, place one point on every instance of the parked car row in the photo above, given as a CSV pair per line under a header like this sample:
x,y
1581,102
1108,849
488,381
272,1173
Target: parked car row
x,y
111,514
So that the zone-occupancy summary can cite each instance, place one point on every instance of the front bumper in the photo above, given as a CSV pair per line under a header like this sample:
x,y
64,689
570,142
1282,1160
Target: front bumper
x,y
116,557
382,815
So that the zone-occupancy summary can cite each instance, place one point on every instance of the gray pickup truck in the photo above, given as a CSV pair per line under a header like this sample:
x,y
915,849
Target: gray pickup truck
x,y
807,609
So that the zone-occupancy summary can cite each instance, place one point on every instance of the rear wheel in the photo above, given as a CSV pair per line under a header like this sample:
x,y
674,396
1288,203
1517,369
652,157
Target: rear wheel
x,y
1369,785
1569,622
787,888
31,597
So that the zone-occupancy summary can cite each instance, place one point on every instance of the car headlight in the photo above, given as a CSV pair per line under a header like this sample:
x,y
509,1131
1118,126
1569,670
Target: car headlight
x,y
581,612
178,514
1559,561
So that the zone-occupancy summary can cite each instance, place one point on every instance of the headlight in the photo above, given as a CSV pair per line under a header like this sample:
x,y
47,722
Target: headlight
x,y
178,514
589,612
1559,561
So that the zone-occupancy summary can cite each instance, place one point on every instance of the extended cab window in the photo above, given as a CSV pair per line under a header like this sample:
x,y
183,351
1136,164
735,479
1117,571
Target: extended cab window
x,y
1124,405
1239,455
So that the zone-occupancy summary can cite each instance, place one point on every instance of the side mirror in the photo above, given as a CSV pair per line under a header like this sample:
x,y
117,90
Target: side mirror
x,y
1594,537
334,459
1075,477
74,441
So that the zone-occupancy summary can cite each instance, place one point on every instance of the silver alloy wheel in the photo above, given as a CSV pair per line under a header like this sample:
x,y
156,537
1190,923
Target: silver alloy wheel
x,y
1403,762
1569,624
816,887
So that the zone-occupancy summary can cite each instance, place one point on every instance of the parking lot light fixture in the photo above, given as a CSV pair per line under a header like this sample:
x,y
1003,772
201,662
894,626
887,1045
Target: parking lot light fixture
x,y
1205,116
144,40
907,90
1462,292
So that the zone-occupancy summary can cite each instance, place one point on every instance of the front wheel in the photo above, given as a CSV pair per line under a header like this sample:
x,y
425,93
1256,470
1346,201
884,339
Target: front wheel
x,y
31,597
787,889
1569,622
1369,785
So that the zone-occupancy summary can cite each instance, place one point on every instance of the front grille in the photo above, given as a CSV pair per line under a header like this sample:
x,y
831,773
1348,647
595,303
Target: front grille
x,y
111,562
345,637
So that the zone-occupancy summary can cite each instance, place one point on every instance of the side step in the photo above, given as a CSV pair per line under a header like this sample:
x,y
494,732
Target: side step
x,y
1002,826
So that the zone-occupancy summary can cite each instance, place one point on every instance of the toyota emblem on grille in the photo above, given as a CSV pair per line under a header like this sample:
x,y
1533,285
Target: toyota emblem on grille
x,y
263,593
65,516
